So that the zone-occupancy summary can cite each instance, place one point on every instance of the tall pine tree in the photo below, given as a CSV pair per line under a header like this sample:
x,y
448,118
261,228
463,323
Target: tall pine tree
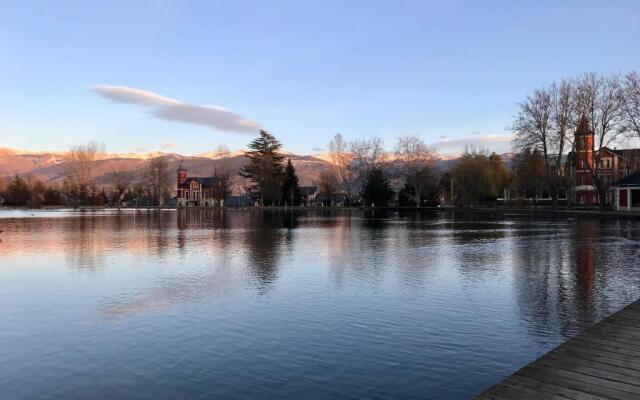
x,y
290,190
377,190
265,167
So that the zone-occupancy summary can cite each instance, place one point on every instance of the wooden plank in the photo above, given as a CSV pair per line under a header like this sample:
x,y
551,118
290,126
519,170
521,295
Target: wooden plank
x,y
605,359
581,383
603,362
611,329
612,336
591,367
611,347
553,389
514,390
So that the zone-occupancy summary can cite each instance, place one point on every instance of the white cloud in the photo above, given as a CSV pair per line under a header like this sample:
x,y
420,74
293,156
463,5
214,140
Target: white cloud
x,y
492,142
175,110
167,145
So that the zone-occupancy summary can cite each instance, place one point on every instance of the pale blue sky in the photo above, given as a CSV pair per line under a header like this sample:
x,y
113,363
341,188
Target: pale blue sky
x,y
304,70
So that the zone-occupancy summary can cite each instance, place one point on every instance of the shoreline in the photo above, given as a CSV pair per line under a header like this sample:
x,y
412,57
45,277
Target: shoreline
x,y
584,213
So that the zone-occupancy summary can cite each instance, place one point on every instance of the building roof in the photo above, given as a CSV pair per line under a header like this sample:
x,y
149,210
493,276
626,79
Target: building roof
x,y
307,190
207,182
327,197
629,180
238,201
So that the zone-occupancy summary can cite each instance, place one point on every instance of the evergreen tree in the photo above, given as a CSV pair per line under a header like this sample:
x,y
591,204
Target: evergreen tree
x,y
265,167
290,190
52,197
18,192
377,190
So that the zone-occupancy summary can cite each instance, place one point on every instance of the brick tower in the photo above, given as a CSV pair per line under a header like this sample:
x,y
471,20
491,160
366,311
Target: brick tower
x,y
182,175
584,163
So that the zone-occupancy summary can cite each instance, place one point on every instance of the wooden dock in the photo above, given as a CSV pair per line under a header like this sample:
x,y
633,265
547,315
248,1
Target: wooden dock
x,y
603,362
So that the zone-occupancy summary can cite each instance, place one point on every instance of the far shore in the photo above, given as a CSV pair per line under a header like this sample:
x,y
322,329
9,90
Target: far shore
x,y
533,212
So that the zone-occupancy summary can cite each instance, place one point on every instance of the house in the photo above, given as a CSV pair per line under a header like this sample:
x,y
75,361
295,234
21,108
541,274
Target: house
x,y
610,164
329,200
307,194
627,193
198,191
239,201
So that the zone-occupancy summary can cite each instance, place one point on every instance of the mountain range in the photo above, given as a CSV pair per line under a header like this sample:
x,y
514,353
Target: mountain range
x,y
49,167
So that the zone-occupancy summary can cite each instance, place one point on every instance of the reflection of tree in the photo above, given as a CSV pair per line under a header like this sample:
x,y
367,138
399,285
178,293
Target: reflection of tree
x,y
556,278
263,242
85,241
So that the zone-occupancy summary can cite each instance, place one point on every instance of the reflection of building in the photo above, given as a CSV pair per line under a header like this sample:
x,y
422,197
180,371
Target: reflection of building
x,y
198,191
330,200
586,261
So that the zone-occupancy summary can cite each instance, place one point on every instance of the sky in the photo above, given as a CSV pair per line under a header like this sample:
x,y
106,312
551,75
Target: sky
x,y
185,76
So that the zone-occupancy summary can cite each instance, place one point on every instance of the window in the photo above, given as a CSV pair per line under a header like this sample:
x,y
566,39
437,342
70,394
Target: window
x,y
635,198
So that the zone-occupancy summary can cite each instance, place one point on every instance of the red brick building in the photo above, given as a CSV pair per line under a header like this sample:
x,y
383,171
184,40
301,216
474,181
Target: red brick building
x,y
612,165
196,191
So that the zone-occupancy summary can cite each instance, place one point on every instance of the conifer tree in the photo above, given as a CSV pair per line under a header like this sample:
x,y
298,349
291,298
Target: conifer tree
x,y
290,190
265,167
377,190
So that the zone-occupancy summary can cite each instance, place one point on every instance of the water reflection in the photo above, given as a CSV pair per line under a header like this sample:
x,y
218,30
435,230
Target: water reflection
x,y
429,300
263,246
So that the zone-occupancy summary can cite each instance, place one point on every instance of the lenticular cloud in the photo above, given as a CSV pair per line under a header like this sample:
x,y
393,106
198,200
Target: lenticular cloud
x,y
170,109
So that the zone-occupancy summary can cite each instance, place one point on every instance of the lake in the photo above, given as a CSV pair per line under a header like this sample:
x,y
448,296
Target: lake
x,y
243,304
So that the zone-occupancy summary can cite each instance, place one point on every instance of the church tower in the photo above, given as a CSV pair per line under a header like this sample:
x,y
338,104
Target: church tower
x,y
584,162
182,175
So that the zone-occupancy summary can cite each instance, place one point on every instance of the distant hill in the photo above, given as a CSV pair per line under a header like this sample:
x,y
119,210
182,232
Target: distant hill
x,y
50,166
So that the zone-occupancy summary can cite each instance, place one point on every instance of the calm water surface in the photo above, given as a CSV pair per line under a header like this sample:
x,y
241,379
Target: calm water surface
x,y
247,304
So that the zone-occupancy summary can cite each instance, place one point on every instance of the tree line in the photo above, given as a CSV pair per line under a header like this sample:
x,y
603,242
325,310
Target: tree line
x,y
361,172
79,186
364,172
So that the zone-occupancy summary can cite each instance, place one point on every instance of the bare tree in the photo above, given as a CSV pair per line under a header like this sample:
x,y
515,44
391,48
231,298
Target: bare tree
x,y
222,154
158,175
598,98
120,178
543,124
342,159
368,154
418,162
329,182
631,103
80,166
221,172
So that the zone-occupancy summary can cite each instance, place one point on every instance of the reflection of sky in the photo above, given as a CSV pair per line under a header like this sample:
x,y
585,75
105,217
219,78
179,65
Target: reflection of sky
x,y
489,292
